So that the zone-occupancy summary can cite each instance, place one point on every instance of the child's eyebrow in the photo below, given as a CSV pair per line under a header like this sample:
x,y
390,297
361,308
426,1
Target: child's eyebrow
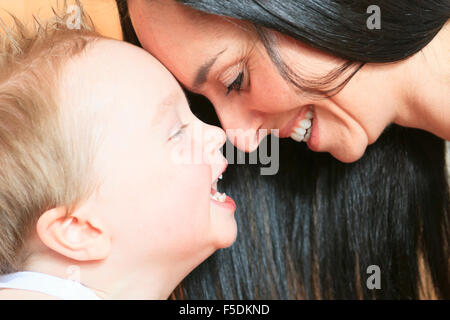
x,y
166,105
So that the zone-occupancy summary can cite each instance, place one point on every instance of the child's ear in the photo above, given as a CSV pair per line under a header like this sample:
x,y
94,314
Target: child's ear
x,y
80,236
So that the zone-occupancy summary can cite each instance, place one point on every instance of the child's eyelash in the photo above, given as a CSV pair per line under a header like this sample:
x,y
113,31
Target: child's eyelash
x,y
236,84
179,131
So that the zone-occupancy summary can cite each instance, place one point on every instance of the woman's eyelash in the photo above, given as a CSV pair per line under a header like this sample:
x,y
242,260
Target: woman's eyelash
x,y
236,84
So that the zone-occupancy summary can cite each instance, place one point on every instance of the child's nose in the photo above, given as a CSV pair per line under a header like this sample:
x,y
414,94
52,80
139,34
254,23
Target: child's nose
x,y
215,138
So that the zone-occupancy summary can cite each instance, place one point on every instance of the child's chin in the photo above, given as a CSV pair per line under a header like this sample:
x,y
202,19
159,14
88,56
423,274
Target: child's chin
x,y
226,236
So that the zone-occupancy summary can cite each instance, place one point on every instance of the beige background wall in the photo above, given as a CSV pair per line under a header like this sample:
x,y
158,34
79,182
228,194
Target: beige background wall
x,y
103,12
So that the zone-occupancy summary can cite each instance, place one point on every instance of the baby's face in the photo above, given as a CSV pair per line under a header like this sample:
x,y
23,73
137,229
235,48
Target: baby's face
x,y
155,201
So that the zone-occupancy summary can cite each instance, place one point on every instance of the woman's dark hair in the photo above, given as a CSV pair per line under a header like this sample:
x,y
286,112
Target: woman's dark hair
x,y
312,230
339,28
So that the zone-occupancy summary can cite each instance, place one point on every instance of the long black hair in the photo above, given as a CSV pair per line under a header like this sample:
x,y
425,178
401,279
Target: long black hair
x,y
340,28
312,230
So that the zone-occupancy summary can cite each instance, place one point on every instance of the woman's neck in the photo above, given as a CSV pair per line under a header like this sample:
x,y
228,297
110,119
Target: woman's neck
x,y
427,88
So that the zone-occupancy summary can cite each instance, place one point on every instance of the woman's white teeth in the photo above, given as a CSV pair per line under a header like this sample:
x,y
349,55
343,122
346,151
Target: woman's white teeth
x,y
220,177
305,124
219,196
302,132
307,136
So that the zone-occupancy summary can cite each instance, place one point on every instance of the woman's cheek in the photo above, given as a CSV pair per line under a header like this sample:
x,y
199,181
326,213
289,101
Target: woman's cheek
x,y
271,94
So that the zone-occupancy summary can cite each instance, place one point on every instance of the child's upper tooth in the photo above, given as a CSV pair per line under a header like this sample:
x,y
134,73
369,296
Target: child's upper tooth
x,y
220,177
309,115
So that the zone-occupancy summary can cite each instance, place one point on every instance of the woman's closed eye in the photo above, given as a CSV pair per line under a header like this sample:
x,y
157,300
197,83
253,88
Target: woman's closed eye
x,y
236,84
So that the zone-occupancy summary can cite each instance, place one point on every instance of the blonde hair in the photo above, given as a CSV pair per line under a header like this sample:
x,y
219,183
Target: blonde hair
x,y
43,164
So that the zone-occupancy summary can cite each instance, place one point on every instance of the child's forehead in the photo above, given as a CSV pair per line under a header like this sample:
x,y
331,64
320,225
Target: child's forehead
x,y
167,105
118,74
125,60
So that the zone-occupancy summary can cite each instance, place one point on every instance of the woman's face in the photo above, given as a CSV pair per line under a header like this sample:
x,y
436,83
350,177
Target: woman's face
x,y
249,93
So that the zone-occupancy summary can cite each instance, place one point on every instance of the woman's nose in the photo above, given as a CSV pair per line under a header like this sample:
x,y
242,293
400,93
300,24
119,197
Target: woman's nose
x,y
242,128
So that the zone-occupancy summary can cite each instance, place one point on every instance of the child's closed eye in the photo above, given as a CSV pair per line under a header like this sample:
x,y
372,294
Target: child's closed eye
x,y
175,136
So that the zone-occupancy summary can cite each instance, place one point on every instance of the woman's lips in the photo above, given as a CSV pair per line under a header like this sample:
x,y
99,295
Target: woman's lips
x,y
313,142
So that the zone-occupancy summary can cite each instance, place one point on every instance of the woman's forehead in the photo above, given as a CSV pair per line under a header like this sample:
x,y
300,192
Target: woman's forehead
x,y
169,19
183,44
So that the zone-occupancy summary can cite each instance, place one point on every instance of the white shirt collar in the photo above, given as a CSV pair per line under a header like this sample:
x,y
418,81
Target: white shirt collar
x,y
35,281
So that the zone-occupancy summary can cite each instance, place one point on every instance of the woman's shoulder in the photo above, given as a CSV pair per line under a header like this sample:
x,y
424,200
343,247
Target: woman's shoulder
x,y
104,14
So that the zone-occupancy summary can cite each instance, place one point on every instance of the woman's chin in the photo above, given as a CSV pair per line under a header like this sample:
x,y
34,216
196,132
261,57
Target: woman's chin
x,y
349,155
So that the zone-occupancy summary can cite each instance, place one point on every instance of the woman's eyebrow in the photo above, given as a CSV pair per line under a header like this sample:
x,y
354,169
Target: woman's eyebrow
x,y
202,73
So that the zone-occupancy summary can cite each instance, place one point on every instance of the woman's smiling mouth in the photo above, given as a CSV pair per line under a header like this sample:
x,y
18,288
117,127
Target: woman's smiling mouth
x,y
288,129
302,129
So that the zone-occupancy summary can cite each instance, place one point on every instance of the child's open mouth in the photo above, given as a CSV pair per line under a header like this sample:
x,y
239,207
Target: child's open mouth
x,y
221,198
216,195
